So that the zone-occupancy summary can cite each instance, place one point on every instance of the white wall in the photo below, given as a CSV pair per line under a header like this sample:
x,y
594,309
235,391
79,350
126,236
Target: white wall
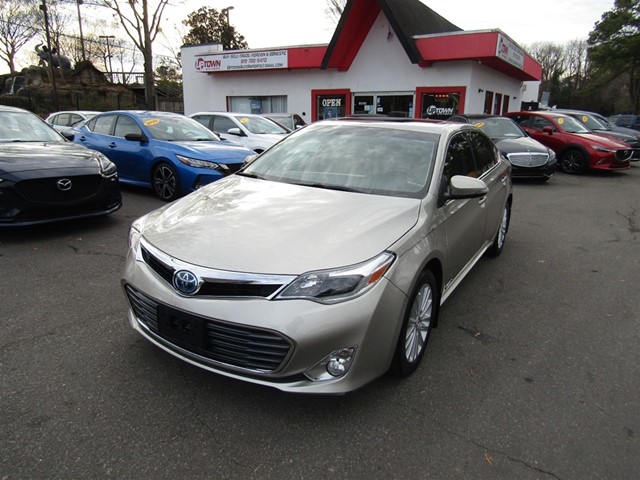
x,y
381,65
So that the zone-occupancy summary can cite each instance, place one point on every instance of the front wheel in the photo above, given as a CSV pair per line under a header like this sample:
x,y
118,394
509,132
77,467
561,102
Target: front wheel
x,y
501,235
165,182
573,161
419,319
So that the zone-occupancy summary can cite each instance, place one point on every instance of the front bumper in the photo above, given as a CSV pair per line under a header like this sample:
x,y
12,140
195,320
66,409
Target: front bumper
x,y
307,330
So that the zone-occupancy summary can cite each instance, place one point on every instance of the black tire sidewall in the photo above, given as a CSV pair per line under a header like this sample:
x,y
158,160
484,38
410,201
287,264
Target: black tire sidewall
x,y
400,367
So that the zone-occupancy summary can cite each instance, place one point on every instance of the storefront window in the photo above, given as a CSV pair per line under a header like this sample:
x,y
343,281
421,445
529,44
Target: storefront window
x,y
394,105
259,105
440,106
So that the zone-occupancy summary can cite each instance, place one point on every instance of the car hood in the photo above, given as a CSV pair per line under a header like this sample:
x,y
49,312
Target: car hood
x,y
28,156
518,145
603,140
617,136
227,152
256,226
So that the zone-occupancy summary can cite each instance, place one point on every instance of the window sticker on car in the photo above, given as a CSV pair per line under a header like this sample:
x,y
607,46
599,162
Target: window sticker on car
x,y
480,124
244,120
585,118
151,122
560,121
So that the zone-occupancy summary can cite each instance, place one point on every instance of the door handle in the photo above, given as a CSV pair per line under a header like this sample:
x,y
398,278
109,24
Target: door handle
x,y
112,145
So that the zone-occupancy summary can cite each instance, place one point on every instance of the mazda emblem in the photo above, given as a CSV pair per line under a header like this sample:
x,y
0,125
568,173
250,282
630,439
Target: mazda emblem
x,y
64,184
185,282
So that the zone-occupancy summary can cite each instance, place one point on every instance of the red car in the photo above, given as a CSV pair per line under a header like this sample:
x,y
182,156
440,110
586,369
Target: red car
x,y
578,149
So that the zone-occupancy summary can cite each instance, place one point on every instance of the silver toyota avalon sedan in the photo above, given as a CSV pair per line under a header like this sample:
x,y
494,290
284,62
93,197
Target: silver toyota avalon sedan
x,y
322,264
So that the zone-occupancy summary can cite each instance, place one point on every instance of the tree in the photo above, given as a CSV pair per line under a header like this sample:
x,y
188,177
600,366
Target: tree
x,y
207,25
141,22
551,57
18,21
334,9
614,46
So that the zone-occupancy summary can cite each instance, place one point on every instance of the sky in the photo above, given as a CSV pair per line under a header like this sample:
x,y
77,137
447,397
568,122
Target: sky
x,y
280,23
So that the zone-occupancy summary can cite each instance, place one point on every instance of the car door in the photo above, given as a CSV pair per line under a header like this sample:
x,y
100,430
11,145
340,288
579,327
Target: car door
x,y
222,124
130,156
464,219
494,174
97,133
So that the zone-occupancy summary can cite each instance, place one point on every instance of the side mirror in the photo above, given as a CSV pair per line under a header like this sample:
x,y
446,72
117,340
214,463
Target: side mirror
x,y
136,137
235,131
462,187
548,130
68,135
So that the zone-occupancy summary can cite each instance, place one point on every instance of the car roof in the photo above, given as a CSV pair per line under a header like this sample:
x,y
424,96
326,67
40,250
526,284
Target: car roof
x,y
6,108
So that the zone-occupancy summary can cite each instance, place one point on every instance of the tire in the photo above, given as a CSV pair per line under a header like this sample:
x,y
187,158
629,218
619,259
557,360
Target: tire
x,y
501,235
573,162
419,318
165,182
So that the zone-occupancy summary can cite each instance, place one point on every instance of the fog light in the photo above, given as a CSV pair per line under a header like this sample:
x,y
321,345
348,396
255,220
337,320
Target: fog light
x,y
333,366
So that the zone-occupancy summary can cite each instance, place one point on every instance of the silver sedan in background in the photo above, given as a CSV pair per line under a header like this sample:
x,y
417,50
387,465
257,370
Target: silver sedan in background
x,y
323,263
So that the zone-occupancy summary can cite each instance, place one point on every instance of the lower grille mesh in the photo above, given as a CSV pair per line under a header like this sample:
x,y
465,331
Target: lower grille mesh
x,y
260,351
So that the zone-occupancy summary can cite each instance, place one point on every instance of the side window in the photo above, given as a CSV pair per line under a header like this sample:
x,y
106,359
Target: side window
x,y
222,124
459,159
202,119
74,118
522,120
103,124
539,123
62,119
484,151
126,125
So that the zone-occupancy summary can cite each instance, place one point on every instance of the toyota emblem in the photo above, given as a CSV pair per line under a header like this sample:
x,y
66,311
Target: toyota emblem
x,y
185,282
64,184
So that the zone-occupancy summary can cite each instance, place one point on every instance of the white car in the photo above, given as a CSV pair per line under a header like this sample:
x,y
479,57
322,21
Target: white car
x,y
65,121
254,132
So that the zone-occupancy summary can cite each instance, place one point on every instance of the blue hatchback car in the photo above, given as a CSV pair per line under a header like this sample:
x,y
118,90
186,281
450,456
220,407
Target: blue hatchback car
x,y
169,152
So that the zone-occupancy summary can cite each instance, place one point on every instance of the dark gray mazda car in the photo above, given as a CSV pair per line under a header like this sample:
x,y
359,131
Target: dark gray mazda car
x,y
46,178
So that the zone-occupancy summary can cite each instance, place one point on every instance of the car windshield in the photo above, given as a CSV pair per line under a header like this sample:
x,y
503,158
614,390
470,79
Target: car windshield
x,y
26,127
285,121
591,122
571,125
605,122
176,128
499,128
260,125
365,159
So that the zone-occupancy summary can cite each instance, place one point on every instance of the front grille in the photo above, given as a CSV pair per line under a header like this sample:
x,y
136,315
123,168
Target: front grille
x,y
212,287
257,350
623,154
528,159
45,191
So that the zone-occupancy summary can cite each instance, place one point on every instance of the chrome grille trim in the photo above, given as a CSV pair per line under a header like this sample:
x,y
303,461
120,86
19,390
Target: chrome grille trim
x,y
215,283
528,159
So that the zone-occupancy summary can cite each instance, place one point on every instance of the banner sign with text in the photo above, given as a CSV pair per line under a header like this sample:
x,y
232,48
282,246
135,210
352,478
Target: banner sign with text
x,y
510,52
238,61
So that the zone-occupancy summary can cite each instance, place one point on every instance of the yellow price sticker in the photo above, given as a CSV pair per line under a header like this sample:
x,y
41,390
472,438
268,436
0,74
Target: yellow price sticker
x,y
560,121
151,122
480,124
584,119
244,120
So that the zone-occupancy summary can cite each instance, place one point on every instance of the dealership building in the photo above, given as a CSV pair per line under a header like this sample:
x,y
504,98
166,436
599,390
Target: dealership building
x,y
393,57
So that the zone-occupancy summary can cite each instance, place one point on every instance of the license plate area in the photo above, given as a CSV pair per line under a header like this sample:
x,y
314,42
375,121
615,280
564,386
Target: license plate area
x,y
181,328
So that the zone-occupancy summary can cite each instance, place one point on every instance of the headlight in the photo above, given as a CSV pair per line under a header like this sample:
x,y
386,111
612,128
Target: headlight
x,y
340,284
598,148
135,232
107,167
552,156
192,162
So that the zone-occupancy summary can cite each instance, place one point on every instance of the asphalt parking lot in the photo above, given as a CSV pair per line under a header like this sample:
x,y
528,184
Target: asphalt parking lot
x,y
533,373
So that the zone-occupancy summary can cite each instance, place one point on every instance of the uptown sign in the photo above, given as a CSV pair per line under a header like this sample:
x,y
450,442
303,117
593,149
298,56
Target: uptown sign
x,y
226,62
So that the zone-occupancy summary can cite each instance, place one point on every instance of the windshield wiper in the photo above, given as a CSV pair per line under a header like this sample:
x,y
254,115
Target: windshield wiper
x,y
250,175
327,187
